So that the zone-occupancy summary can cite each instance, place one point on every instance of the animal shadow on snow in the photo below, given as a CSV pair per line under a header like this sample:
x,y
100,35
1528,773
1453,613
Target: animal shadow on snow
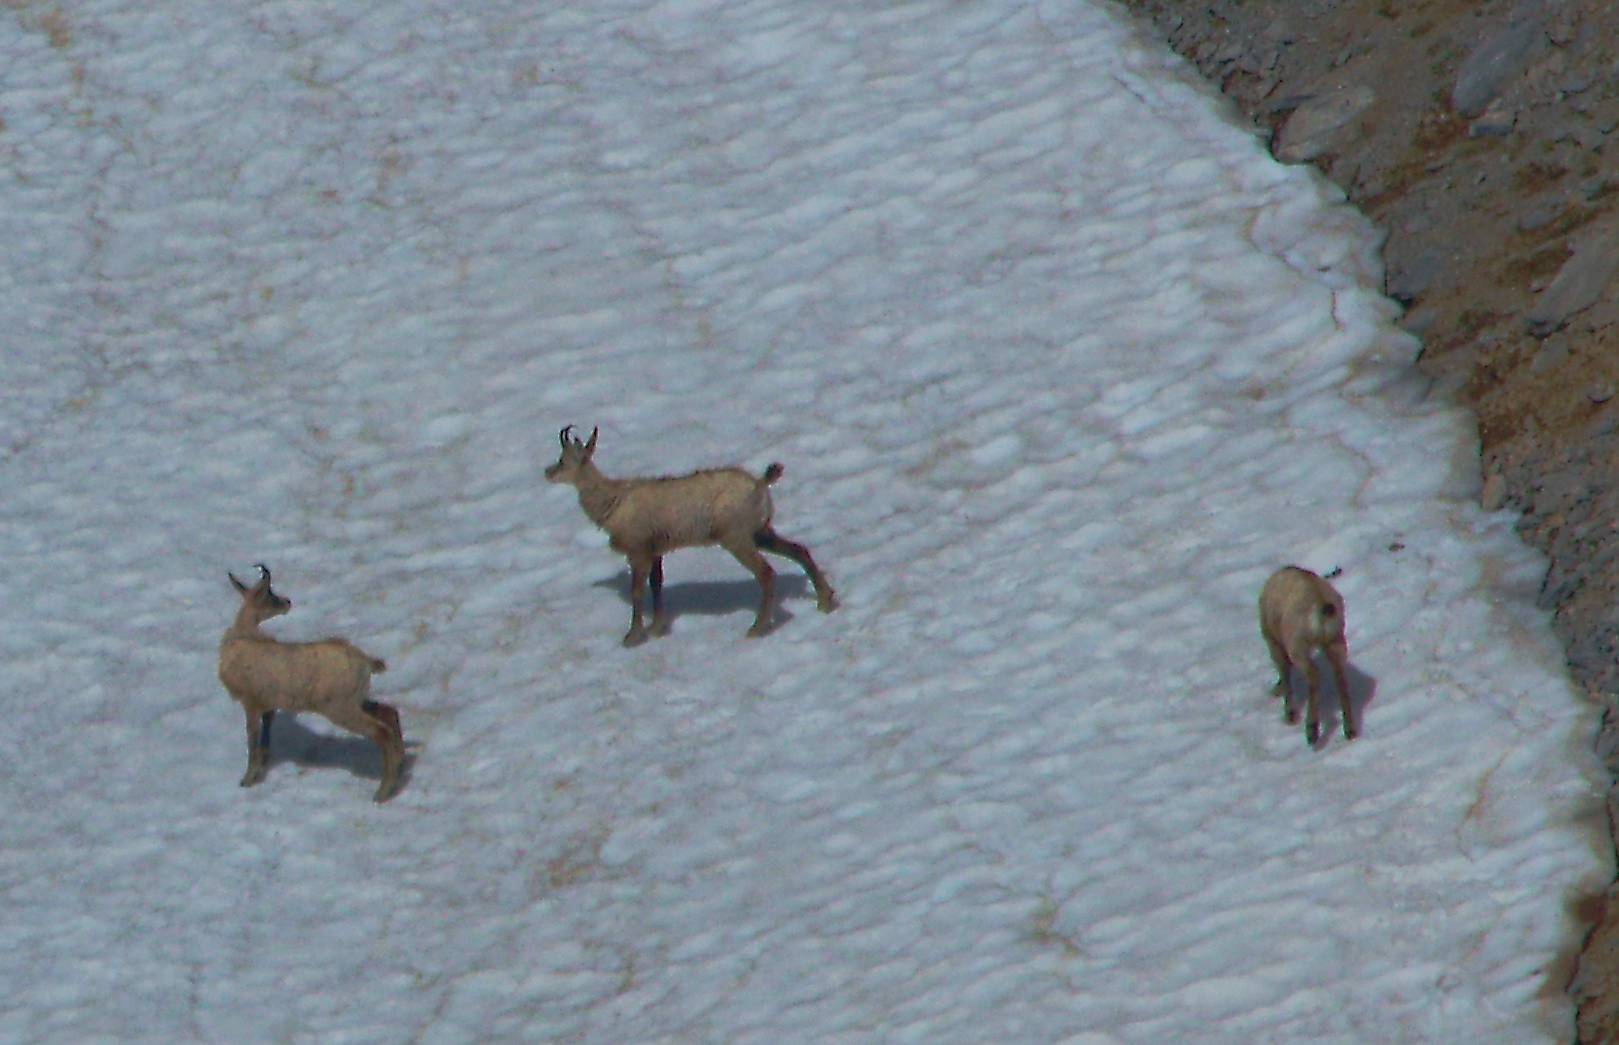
x,y
292,741
715,598
1362,691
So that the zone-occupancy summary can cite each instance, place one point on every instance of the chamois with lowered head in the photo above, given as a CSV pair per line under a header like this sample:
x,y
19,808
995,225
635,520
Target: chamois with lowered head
x,y
647,517
1299,613
331,677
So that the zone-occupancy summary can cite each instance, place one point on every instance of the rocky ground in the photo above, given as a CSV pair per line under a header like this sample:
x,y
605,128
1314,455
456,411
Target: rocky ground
x,y
1482,136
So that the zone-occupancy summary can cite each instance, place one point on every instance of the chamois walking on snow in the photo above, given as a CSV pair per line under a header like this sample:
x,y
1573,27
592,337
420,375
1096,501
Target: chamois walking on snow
x,y
1299,613
331,677
648,517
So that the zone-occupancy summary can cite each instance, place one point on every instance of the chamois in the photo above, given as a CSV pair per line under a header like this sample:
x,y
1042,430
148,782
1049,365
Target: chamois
x,y
648,517
331,677
1299,613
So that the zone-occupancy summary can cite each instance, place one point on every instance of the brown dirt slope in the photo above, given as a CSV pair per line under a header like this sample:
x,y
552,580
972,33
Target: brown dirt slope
x,y
1483,136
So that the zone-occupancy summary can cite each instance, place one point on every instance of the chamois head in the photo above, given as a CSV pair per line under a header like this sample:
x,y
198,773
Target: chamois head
x,y
260,599
575,455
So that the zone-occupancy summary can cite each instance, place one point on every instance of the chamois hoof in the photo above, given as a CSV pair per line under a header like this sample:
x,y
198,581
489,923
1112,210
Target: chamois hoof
x,y
758,631
1312,734
828,603
1350,734
634,638
1291,716
251,777
660,629
385,792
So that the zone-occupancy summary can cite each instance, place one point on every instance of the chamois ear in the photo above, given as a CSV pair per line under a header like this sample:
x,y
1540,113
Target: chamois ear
x,y
241,588
590,447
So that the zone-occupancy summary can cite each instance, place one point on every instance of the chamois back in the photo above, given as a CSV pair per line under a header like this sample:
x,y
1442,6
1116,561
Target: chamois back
x,y
1302,610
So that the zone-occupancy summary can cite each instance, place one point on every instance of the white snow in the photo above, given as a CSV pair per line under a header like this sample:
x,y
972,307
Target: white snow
x,y
1060,364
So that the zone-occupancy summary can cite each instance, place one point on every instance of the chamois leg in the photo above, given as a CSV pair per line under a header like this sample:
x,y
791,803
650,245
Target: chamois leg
x,y
379,722
258,746
660,620
640,566
1338,655
748,555
1312,714
1284,675
767,539
387,714
392,742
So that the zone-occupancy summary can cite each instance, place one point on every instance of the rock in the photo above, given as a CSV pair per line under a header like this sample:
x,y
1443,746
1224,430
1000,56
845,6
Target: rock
x,y
1407,277
1553,353
1496,122
1501,58
1589,138
1576,83
1555,494
1541,212
1596,984
1285,103
1579,284
1268,47
1420,321
1494,494
1314,125
1603,425
1564,28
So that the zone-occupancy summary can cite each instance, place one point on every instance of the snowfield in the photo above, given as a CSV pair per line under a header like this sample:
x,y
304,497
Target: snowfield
x,y
1060,364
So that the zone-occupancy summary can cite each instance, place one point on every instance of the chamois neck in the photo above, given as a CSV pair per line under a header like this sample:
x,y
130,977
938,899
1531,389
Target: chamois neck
x,y
598,495
245,626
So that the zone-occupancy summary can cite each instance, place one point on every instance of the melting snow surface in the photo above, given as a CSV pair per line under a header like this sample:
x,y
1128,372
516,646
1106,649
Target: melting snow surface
x,y
1061,366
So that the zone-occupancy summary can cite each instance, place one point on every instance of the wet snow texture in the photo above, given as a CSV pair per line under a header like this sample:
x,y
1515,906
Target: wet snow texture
x,y
1060,365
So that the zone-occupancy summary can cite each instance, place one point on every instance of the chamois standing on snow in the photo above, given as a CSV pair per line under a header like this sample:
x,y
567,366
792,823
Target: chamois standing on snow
x,y
331,677
1299,613
648,517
